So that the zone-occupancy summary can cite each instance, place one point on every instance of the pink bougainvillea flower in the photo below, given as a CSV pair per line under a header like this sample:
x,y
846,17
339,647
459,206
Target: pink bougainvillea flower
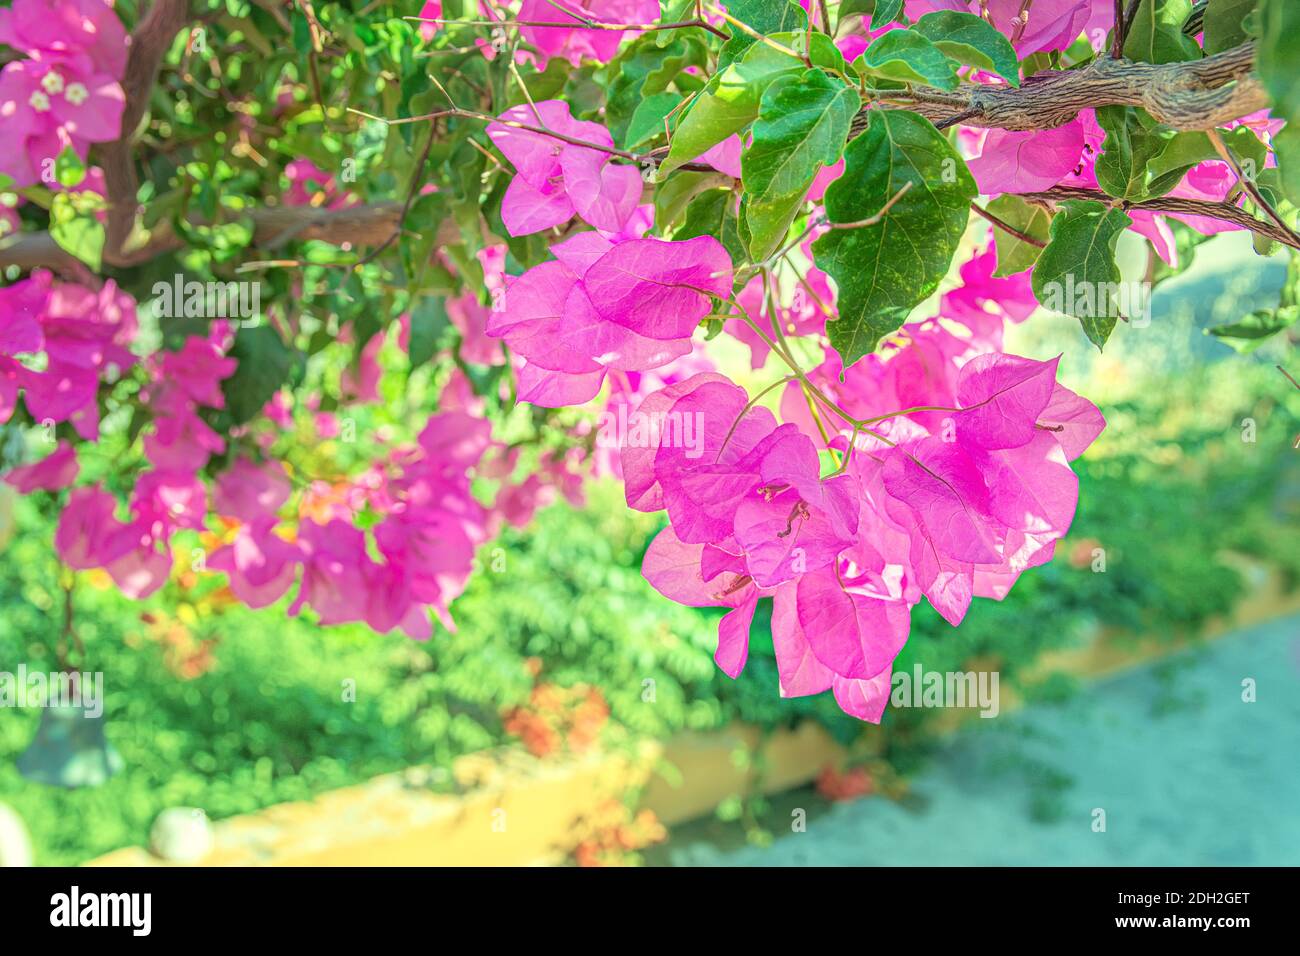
x,y
85,525
1024,161
89,329
434,549
1073,420
956,504
22,306
659,289
432,10
137,558
86,30
309,185
64,393
981,296
197,371
601,305
604,193
81,333
176,499
48,105
249,492
673,568
280,409
854,634
455,440
180,439
557,177
1001,397
797,523
333,555
568,40
261,566
54,472
725,156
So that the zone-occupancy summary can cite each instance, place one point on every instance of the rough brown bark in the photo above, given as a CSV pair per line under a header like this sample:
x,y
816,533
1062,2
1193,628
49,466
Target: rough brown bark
x,y
149,43
1196,95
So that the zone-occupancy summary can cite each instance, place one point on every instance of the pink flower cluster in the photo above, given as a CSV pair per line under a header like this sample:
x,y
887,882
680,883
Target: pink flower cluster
x,y
556,179
607,303
947,514
170,496
568,40
427,538
954,478
67,92
309,185
57,341
423,545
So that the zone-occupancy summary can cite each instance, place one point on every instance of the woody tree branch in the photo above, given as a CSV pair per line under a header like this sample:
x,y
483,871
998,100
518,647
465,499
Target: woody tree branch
x,y
149,43
1223,211
1195,95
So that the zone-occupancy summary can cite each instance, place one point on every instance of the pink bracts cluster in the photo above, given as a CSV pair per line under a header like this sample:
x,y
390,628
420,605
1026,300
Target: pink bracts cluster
x,y
67,92
431,524
57,341
946,514
607,303
556,179
567,39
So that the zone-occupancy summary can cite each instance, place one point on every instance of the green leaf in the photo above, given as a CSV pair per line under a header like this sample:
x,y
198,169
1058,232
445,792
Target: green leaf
x,y
1250,332
820,48
802,126
1184,150
713,213
1014,254
644,70
675,194
429,324
1287,145
1156,35
908,57
882,271
648,119
1279,52
764,17
83,237
1076,274
1126,152
885,13
727,105
1223,24
971,40
76,230
265,364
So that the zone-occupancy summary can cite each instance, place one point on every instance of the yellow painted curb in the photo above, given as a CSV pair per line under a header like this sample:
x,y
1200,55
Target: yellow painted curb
x,y
705,770
517,810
